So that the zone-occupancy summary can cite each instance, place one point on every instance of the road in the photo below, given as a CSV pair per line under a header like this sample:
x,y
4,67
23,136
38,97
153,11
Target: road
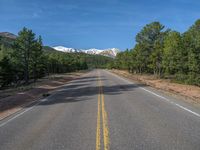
x,y
101,111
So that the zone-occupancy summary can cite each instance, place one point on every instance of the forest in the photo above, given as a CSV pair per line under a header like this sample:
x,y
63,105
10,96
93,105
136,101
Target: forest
x,y
164,53
24,59
160,51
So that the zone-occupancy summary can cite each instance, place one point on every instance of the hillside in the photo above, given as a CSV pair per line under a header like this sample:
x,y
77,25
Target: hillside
x,y
8,35
7,39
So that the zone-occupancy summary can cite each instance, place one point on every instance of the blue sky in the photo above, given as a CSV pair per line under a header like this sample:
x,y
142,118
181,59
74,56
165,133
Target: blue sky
x,y
95,23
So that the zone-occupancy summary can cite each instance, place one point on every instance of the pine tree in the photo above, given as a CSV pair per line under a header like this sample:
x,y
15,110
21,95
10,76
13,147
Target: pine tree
x,y
6,74
173,56
37,58
192,45
23,46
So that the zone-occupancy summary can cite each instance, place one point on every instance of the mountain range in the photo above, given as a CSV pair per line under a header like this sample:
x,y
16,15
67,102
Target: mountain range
x,y
8,38
110,52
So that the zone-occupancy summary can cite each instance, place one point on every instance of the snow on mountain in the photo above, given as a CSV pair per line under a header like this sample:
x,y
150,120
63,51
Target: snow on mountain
x,y
111,52
93,51
65,49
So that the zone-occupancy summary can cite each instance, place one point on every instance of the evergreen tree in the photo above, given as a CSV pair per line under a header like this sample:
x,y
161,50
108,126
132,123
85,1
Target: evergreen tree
x,y
23,46
6,71
173,56
151,40
37,58
192,45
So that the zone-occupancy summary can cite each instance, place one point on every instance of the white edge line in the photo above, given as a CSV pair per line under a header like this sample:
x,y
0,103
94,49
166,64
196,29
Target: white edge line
x,y
21,113
28,109
178,105
4,123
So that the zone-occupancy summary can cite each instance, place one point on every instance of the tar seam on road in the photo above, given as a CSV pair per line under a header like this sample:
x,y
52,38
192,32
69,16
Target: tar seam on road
x,y
101,109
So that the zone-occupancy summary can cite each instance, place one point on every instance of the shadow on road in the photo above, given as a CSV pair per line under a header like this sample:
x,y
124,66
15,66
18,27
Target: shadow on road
x,y
87,88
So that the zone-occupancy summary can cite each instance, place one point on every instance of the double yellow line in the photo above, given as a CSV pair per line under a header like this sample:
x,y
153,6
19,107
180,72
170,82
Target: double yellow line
x,y
102,112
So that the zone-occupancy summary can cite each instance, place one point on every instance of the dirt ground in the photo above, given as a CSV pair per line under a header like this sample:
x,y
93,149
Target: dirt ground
x,y
13,100
189,92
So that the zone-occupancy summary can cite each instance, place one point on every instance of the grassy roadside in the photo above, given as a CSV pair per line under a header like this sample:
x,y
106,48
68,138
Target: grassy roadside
x,y
13,100
188,92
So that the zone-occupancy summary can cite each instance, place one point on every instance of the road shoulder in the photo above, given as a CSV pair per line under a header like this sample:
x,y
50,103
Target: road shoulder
x,y
22,98
188,93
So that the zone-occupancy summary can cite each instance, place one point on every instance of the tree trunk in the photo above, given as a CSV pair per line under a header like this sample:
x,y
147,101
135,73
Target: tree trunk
x,y
26,72
34,73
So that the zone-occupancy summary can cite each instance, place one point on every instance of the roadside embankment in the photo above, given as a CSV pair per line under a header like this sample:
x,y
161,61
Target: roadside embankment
x,y
189,92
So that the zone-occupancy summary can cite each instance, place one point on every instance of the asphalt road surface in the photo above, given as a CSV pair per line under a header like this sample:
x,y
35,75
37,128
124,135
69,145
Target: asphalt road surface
x,y
101,111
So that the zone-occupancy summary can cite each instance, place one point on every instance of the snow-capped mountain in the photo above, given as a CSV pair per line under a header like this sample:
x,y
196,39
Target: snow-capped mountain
x,y
65,49
93,51
110,52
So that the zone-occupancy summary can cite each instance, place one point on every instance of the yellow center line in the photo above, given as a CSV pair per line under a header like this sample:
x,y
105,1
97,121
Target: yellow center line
x,y
101,106
98,132
105,123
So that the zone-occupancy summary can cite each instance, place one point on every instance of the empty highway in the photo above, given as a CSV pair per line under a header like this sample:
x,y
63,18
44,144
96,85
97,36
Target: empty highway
x,y
102,111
